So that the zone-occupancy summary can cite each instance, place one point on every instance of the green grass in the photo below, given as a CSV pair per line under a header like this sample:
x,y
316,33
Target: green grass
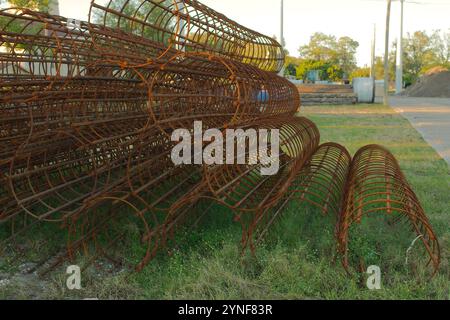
x,y
296,260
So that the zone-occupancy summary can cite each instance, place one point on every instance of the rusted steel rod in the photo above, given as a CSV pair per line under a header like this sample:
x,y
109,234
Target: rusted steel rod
x,y
376,185
320,181
189,26
87,113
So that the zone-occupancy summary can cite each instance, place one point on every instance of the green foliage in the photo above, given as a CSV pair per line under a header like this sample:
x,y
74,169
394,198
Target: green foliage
x,y
41,5
290,70
418,53
423,51
9,24
334,72
440,42
328,70
379,67
321,47
15,27
346,49
147,12
327,48
360,73
408,79
290,65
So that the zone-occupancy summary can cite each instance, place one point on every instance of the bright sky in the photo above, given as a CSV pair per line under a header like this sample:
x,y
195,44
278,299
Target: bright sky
x,y
354,18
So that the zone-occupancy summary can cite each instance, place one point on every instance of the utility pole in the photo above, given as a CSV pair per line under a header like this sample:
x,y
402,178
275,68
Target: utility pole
x,y
373,54
399,69
372,66
281,74
182,32
53,7
386,55
282,25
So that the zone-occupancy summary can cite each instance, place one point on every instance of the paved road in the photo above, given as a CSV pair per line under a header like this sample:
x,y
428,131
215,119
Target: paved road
x,y
431,117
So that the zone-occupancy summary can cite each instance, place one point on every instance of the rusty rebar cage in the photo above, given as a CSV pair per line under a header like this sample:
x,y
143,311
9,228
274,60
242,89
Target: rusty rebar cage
x,y
188,25
87,113
376,185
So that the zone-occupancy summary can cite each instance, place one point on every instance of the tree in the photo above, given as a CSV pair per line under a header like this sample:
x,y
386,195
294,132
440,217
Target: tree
x,y
423,52
346,49
379,66
321,47
290,70
440,43
144,16
418,53
326,48
13,26
360,73
290,65
328,70
40,5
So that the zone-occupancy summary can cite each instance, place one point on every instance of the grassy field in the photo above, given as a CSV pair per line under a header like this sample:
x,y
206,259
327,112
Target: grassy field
x,y
296,261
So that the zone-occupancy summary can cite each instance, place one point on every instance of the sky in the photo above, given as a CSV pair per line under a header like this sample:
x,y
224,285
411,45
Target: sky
x,y
354,18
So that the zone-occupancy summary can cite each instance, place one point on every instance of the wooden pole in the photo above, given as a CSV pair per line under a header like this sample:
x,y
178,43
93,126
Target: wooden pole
x,y
281,74
386,55
399,70
373,54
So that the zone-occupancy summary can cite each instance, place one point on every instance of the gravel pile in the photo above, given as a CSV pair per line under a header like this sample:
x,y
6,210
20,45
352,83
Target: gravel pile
x,y
434,84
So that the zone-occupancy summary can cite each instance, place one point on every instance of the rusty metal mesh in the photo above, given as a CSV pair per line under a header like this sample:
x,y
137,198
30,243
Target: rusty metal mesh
x,y
376,185
188,25
87,111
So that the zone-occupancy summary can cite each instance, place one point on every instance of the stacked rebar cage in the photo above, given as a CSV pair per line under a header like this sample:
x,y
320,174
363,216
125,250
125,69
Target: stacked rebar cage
x,y
87,110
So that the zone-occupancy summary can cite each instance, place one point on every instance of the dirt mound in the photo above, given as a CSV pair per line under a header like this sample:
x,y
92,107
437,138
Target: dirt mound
x,y
436,70
434,84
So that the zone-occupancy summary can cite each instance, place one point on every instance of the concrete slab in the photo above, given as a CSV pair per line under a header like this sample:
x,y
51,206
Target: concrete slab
x,y
431,117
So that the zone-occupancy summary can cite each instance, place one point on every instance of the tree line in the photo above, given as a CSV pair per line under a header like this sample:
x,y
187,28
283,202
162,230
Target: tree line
x,y
41,5
335,58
